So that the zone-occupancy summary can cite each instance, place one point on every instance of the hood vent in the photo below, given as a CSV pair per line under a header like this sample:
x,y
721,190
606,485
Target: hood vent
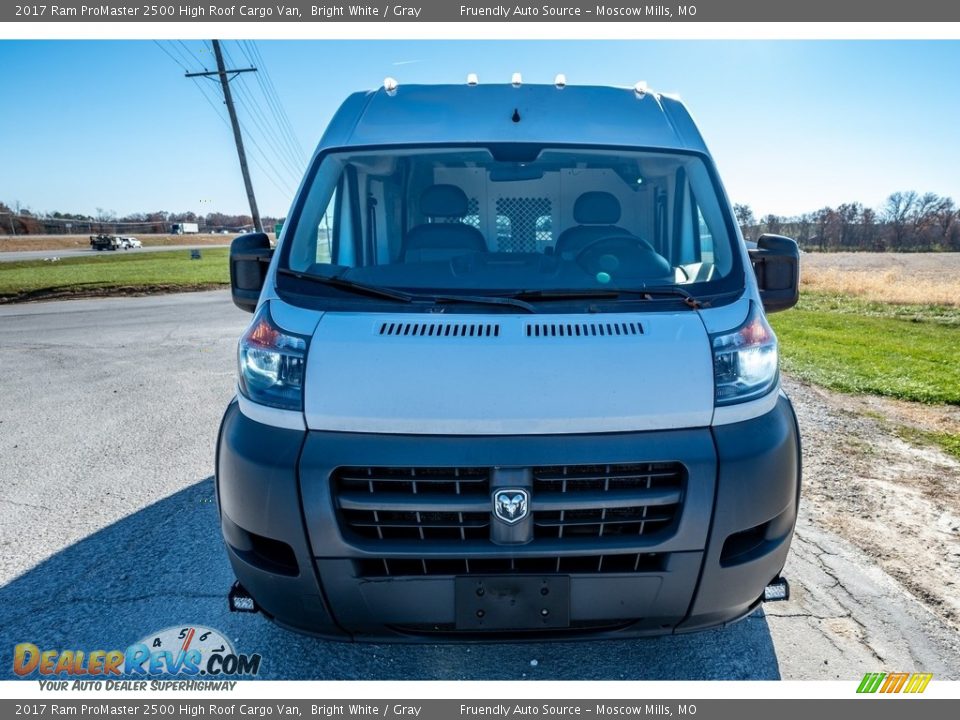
x,y
435,329
590,329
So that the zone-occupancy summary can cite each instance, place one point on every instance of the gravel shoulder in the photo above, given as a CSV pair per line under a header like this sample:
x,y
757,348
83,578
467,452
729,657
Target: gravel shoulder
x,y
895,501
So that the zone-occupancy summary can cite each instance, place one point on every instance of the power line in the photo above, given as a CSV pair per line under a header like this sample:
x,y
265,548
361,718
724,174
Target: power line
x,y
191,54
297,163
246,99
276,181
273,98
210,102
169,55
265,156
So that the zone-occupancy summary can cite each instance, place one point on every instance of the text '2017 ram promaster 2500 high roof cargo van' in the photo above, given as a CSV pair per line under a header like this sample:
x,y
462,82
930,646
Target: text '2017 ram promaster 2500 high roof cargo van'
x,y
509,376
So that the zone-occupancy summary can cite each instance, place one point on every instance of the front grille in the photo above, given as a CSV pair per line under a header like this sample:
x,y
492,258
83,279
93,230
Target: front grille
x,y
414,503
578,509
567,565
606,500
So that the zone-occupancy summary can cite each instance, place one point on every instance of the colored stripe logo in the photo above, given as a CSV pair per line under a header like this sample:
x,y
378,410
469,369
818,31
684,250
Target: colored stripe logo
x,y
894,682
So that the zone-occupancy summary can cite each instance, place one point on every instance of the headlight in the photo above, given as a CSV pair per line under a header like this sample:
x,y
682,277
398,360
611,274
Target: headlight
x,y
745,362
271,363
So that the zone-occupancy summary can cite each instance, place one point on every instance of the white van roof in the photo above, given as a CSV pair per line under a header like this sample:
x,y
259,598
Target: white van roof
x,y
590,115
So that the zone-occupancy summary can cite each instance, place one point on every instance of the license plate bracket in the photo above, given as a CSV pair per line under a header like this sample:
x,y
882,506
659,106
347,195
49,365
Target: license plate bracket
x,y
512,602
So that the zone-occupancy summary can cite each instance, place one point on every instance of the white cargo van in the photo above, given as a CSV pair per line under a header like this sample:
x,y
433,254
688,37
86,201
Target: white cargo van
x,y
509,376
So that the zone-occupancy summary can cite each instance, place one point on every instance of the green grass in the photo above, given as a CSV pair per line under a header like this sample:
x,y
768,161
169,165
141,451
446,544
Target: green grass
x,y
849,305
113,273
948,442
850,345
910,352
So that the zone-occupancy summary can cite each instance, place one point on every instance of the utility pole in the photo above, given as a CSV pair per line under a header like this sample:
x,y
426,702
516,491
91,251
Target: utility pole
x,y
222,73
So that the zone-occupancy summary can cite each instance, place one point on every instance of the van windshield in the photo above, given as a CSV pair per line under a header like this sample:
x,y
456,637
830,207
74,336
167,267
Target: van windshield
x,y
511,220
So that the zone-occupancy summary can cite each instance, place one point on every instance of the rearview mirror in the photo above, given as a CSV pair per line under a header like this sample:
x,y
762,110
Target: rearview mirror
x,y
249,259
776,263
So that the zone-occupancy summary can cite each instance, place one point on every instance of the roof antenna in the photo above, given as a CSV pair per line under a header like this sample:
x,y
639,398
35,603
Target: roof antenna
x,y
516,115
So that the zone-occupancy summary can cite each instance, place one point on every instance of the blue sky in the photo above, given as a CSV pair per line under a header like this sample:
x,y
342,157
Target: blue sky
x,y
793,125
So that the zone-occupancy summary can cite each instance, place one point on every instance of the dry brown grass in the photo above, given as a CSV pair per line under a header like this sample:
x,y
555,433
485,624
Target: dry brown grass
x,y
17,243
901,278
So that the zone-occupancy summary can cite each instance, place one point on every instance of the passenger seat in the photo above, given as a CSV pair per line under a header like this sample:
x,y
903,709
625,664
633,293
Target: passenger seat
x,y
447,238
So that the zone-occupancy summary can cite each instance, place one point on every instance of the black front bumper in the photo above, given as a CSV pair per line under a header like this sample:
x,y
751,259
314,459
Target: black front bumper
x,y
289,548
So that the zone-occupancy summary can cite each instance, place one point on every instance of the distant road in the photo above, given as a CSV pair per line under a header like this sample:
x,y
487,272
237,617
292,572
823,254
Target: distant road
x,y
19,255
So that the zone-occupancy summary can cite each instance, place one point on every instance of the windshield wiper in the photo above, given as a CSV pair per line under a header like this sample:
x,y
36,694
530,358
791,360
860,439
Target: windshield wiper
x,y
646,293
565,294
350,286
483,300
342,283
688,299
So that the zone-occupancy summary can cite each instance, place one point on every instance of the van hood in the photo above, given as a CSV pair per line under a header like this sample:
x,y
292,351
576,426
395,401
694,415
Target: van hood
x,y
508,375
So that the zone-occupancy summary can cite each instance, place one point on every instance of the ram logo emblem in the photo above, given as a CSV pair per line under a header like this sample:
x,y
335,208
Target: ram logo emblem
x,y
511,504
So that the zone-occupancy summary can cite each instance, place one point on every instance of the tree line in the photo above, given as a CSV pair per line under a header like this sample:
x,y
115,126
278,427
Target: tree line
x,y
18,220
907,221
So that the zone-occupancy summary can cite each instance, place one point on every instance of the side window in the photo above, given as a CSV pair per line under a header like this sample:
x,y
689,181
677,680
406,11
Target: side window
x,y
695,241
706,238
325,230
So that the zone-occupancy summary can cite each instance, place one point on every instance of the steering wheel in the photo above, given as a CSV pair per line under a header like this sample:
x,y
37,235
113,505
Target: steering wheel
x,y
623,255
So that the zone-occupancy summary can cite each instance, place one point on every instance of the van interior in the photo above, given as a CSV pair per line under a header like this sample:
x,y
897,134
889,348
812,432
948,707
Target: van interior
x,y
512,216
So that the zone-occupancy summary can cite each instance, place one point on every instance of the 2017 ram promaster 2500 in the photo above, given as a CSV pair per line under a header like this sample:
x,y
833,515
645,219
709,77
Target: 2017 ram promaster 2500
x,y
509,375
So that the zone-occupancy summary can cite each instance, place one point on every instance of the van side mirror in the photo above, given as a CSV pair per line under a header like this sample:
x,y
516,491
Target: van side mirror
x,y
776,263
249,259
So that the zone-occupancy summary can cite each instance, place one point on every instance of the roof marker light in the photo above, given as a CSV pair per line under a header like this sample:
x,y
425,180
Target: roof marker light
x,y
641,88
560,81
516,80
472,79
390,85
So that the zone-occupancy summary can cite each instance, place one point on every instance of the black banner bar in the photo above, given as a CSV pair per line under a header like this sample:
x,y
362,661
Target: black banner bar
x,y
321,11
340,709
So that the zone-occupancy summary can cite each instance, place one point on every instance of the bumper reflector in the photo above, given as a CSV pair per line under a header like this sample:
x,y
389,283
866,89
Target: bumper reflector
x,y
778,589
240,600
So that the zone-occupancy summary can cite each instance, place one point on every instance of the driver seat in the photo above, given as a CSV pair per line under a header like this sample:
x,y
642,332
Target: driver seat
x,y
446,237
597,214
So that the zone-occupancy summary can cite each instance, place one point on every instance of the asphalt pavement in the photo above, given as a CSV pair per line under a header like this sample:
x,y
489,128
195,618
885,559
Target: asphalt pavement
x,y
108,529
19,255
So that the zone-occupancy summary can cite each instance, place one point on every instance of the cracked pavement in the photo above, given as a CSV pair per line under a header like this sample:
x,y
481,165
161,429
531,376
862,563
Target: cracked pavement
x,y
108,528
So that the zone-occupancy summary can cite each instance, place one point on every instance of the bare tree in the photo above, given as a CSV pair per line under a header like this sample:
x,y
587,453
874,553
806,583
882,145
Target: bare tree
x,y
821,218
947,219
846,218
896,213
744,214
802,226
772,223
745,218
870,238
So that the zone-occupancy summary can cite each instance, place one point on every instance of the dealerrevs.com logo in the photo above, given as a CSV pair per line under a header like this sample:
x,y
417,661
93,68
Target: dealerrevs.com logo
x,y
191,651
